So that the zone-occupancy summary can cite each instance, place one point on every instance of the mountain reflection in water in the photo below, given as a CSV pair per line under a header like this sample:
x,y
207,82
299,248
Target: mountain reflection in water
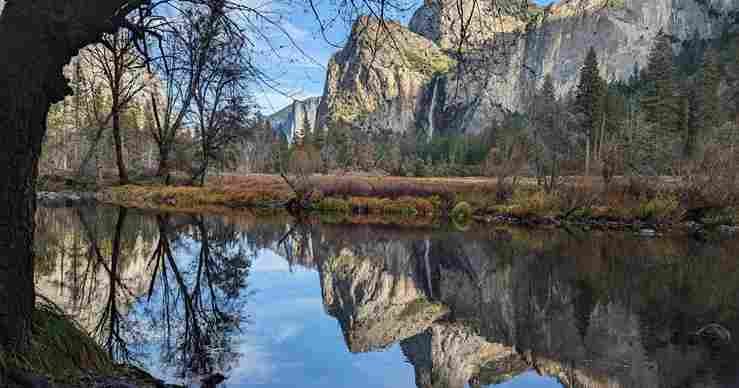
x,y
258,299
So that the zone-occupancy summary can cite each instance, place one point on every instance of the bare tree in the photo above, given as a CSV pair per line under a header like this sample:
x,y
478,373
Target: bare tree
x,y
116,60
222,113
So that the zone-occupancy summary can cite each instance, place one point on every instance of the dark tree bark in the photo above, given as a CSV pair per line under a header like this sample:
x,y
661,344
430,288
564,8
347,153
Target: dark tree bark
x,y
37,38
122,174
163,169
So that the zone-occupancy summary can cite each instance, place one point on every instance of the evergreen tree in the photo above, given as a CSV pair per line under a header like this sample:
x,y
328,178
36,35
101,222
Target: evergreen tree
x,y
710,82
615,111
548,100
659,103
319,137
307,131
735,78
589,102
695,119
684,121
543,124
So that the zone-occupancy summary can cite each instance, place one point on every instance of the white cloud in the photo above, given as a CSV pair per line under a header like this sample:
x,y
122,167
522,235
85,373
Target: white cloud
x,y
255,364
267,260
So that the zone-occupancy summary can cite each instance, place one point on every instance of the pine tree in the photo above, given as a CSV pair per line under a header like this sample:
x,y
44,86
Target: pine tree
x,y
659,103
307,130
735,79
319,138
684,121
547,104
695,119
615,111
589,102
710,80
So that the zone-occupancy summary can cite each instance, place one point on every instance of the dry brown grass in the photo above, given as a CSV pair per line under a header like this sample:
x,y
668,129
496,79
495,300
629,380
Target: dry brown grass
x,y
385,187
654,200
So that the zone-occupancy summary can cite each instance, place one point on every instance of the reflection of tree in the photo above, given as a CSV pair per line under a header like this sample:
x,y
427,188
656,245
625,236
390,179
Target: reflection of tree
x,y
112,326
200,308
297,245
109,325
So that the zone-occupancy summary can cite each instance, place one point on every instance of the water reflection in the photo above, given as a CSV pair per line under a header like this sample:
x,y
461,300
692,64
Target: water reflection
x,y
201,294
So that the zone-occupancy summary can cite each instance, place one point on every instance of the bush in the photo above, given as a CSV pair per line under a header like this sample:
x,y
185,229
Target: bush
x,y
462,212
658,208
333,205
712,181
575,200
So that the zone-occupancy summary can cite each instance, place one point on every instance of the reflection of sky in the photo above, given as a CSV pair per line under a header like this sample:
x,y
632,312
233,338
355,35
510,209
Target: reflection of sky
x,y
291,342
530,380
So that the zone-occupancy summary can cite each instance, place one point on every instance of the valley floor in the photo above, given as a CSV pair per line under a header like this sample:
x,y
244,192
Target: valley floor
x,y
649,206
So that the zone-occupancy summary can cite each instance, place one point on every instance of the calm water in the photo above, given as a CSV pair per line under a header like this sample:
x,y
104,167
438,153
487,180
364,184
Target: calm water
x,y
268,303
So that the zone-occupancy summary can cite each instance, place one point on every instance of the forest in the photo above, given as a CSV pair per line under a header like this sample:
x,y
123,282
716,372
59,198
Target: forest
x,y
664,120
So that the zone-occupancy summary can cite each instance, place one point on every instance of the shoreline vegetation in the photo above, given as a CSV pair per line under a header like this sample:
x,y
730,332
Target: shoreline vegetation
x,y
649,206
63,355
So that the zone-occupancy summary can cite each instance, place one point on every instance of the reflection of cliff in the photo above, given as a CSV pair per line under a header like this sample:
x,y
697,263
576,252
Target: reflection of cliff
x,y
376,296
452,354
607,312
77,275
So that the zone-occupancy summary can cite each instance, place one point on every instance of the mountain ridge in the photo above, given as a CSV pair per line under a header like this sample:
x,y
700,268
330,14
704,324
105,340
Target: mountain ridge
x,y
292,117
502,60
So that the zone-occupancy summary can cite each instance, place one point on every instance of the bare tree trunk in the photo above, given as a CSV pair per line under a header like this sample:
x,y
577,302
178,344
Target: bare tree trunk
x,y
587,155
122,174
36,40
602,137
163,171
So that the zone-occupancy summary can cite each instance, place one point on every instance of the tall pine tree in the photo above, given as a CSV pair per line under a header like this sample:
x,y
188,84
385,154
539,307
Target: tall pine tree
x,y
704,107
589,102
710,82
659,103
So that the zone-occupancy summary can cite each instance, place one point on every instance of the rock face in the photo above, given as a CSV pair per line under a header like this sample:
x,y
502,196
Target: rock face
x,y
505,53
477,309
379,79
377,296
293,117
450,355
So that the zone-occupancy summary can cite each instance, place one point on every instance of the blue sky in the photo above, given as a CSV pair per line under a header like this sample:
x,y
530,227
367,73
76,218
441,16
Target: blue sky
x,y
297,68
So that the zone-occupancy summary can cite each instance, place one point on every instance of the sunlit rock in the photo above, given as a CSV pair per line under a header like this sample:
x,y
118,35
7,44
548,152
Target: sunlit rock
x,y
377,299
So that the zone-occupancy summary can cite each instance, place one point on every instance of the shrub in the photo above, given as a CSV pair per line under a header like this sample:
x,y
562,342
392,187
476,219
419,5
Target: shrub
x,y
575,198
712,181
404,206
333,205
658,208
462,212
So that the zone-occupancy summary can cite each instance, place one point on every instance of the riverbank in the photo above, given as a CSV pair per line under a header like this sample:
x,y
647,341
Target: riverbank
x,y
648,207
63,355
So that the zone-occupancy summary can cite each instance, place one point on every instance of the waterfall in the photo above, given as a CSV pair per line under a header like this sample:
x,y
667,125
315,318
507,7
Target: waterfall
x,y
432,109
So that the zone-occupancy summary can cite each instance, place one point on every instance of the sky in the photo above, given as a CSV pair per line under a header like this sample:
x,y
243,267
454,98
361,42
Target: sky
x,y
295,67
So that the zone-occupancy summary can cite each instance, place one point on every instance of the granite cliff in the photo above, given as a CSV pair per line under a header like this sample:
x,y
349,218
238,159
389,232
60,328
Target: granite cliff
x,y
437,76
479,309
295,116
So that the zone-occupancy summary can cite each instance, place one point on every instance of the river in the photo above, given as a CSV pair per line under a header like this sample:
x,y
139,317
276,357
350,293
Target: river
x,y
267,302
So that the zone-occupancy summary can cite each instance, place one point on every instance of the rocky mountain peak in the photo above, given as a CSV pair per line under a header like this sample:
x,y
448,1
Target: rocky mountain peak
x,y
506,51
294,117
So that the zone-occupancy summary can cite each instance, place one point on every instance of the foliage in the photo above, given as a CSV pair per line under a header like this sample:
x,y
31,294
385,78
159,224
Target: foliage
x,y
429,64
659,101
462,212
60,349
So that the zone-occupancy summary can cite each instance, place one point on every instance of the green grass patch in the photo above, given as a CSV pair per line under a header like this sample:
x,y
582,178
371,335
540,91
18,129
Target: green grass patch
x,y
60,350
